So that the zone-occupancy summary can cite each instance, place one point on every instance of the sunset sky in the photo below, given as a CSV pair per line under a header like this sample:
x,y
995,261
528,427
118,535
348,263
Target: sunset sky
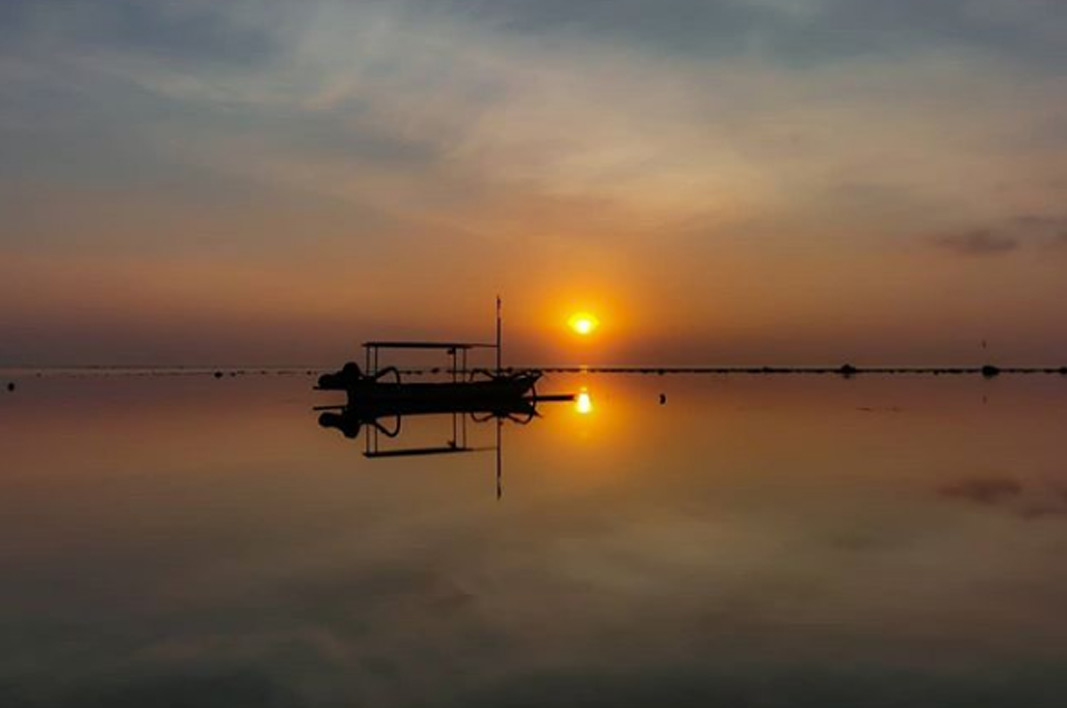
x,y
716,181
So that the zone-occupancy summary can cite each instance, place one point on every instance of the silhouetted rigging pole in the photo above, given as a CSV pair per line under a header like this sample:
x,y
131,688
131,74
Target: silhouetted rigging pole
x,y
498,367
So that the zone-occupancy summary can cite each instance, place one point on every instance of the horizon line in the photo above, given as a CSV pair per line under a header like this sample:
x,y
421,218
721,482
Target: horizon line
x,y
309,369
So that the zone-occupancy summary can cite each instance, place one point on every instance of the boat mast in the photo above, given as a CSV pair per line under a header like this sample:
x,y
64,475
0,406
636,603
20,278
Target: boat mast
x,y
498,368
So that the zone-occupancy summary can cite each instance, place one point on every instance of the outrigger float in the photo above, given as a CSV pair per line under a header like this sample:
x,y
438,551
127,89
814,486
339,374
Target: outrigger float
x,y
469,390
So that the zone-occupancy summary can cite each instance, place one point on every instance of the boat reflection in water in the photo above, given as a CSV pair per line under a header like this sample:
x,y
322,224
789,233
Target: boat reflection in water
x,y
383,417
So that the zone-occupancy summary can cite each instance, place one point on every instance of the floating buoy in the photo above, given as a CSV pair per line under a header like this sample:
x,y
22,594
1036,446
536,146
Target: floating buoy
x,y
11,386
662,398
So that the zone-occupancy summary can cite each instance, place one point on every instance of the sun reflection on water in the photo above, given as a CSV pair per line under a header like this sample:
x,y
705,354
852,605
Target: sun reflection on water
x,y
583,404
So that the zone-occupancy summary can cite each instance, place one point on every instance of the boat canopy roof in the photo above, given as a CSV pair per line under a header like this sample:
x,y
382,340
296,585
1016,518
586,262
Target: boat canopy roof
x,y
428,345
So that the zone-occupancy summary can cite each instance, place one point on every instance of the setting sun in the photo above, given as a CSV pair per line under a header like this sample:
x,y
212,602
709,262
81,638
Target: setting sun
x,y
583,323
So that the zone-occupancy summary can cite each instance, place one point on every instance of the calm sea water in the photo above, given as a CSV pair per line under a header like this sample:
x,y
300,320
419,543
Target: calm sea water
x,y
756,541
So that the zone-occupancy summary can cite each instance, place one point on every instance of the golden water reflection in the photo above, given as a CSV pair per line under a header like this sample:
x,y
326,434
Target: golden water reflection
x,y
583,402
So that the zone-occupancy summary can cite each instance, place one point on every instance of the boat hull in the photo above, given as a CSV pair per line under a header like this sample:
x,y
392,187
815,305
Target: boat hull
x,y
449,396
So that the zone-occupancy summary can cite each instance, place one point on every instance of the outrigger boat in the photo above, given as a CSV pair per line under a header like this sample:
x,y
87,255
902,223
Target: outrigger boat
x,y
478,390
378,400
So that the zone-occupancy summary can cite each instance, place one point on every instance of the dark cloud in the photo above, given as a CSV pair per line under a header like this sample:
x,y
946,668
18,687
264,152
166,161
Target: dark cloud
x,y
1045,227
983,490
1040,222
708,27
1035,513
1023,230
1002,26
193,32
683,683
1029,504
978,243
797,685
791,32
217,688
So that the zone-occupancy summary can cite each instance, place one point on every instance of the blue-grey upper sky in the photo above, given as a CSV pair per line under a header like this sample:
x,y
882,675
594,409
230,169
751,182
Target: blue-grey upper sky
x,y
720,180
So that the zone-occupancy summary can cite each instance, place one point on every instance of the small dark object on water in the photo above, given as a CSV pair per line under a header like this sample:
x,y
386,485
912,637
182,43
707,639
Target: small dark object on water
x,y
848,370
1063,370
989,371
662,398
11,386
218,374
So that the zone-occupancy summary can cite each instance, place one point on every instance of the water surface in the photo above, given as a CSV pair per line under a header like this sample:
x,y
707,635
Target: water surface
x,y
767,541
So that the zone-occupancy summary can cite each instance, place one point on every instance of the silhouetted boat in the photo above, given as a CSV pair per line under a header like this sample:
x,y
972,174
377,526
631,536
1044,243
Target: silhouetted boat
x,y
478,390
376,390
